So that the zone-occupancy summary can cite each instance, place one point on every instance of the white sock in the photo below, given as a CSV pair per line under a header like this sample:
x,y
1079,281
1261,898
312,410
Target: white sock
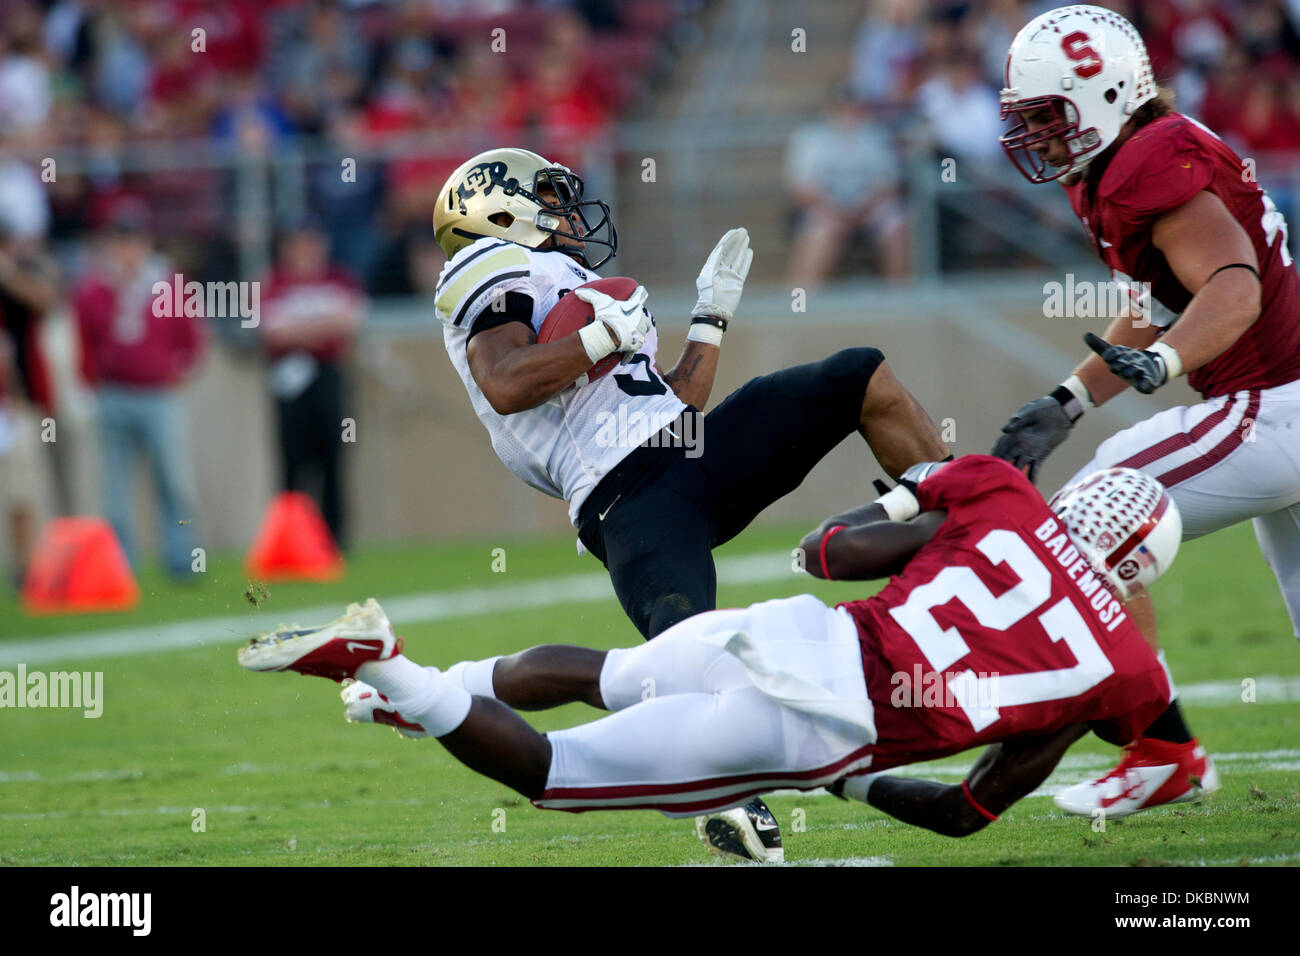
x,y
420,694
857,788
475,676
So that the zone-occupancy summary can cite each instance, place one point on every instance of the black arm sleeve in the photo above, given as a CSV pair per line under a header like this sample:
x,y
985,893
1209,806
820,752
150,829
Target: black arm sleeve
x,y
518,307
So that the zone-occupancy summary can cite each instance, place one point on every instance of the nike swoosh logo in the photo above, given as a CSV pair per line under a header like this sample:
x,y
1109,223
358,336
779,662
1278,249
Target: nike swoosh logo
x,y
765,826
1107,802
601,516
1104,243
363,645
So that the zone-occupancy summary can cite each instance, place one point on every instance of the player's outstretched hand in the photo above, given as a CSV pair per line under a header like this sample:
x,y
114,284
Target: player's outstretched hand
x,y
628,321
1032,433
722,279
1145,371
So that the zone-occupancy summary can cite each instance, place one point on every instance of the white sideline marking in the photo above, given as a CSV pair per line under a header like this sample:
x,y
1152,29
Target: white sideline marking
x,y
411,609
474,602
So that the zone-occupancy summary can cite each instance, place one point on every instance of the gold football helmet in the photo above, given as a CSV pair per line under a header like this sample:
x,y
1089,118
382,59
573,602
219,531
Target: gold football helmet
x,y
498,193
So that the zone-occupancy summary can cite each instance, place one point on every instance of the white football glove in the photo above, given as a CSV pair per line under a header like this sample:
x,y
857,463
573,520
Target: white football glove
x,y
629,321
722,279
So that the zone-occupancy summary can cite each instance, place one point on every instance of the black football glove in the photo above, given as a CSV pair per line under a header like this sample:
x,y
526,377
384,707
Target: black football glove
x,y
1145,371
1036,428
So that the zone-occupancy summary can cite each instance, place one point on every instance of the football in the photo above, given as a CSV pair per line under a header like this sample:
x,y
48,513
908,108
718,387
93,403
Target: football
x,y
571,313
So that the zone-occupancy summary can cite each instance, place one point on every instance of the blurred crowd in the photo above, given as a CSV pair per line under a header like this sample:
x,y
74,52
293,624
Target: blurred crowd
x,y
97,83
96,95
128,129
931,71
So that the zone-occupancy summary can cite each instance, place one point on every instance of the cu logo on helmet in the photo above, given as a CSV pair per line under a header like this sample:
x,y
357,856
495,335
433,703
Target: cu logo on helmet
x,y
1127,570
483,176
1077,47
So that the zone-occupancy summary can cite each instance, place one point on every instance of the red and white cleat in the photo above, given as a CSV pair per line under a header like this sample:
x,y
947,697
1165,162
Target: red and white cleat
x,y
365,705
1151,774
334,650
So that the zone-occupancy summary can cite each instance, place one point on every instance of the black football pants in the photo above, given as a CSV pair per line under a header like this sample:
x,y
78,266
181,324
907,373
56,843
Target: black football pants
x,y
666,508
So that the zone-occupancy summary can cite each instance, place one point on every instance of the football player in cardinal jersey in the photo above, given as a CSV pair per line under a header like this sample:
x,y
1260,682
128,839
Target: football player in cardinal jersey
x,y
1171,209
1003,624
519,234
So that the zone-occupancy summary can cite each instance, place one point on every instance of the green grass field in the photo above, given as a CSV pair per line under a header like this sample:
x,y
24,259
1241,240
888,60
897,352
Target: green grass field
x,y
280,778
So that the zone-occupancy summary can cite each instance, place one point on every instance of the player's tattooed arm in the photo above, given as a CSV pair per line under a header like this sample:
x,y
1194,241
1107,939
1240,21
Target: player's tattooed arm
x,y
869,546
691,379
1004,773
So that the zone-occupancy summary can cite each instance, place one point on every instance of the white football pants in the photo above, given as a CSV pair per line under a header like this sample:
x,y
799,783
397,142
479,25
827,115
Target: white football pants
x,y
1229,459
696,728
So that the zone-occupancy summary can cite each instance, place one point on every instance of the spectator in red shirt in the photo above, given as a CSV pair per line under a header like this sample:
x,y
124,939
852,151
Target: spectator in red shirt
x,y
311,313
137,355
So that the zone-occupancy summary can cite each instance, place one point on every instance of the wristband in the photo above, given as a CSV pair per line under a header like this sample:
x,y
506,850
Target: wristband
x,y
707,329
900,504
705,332
826,539
1173,362
597,341
1074,397
984,813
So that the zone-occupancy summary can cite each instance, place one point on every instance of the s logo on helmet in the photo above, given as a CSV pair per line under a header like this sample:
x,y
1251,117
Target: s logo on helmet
x,y
1127,570
1076,47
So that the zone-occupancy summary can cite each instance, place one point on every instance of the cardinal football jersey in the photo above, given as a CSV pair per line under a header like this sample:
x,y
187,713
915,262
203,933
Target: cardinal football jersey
x,y
998,628
1161,167
567,444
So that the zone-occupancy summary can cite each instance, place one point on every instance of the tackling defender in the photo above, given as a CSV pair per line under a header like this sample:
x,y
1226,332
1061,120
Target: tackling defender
x,y
1014,611
519,235
1168,205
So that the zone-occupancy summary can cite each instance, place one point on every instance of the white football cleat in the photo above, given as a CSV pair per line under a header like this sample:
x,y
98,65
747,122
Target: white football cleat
x,y
362,704
748,833
1151,774
334,650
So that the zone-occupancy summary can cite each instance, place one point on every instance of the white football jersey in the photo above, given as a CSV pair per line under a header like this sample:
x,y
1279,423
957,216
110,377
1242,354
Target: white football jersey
x,y
567,444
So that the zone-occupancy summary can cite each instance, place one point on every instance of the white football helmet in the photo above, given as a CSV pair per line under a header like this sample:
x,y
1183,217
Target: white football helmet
x,y
1124,523
1090,66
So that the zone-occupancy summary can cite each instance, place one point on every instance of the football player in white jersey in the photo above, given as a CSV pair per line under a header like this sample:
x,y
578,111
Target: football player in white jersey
x,y
652,504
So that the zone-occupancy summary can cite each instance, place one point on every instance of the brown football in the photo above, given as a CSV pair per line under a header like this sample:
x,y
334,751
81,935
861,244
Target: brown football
x,y
571,313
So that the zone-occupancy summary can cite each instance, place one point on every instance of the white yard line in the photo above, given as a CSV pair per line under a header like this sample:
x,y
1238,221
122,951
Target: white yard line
x,y
411,609
532,594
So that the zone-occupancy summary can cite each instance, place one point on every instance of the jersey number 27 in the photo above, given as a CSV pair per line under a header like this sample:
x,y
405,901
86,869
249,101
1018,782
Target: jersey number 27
x,y
982,697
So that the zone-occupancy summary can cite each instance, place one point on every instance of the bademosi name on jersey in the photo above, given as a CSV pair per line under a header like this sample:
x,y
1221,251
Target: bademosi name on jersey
x,y
1109,610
